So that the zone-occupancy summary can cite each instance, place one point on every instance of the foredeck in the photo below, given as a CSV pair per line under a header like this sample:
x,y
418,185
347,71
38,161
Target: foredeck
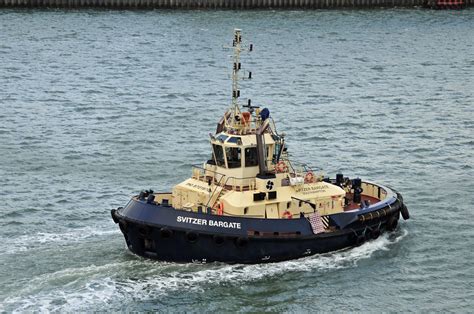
x,y
352,206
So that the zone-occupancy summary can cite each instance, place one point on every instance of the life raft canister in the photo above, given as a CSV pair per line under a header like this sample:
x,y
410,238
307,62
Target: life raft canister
x,y
287,215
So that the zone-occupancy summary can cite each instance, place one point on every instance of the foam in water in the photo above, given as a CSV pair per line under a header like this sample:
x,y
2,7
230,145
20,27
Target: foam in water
x,y
138,279
33,241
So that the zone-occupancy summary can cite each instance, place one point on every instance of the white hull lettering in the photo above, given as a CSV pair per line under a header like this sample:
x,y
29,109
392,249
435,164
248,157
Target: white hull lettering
x,y
193,221
212,223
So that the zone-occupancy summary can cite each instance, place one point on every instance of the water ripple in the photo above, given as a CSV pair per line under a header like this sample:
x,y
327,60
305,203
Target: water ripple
x,y
94,104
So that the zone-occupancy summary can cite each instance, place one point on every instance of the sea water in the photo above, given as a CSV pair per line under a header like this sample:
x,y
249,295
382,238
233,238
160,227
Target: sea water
x,y
96,105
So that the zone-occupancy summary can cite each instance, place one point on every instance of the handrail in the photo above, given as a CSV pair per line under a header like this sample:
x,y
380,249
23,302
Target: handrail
x,y
294,164
222,175
199,167
223,188
235,178
212,194
219,182
223,184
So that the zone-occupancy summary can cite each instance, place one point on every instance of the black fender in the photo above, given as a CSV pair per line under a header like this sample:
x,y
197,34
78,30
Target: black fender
x,y
166,233
375,233
241,241
360,240
219,240
114,217
192,236
123,226
404,212
392,223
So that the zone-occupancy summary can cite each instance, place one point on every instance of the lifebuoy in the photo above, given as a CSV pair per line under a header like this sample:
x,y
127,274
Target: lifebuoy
x,y
287,215
281,166
309,177
220,208
246,117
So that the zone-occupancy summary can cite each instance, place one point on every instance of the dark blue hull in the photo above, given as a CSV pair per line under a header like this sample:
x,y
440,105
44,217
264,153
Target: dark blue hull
x,y
164,233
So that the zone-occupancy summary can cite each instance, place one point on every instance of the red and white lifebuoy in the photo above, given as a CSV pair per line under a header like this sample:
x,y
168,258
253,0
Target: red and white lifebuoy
x,y
246,118
287,214
309,177
281,167
220,208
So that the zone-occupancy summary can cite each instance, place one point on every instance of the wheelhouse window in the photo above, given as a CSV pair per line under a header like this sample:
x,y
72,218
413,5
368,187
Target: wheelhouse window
x,y
251,157
222,138
234,140
219,155
233,157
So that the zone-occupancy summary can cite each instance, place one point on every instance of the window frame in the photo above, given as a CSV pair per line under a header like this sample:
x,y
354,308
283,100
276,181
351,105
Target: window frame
x,y
239,156
223,164
246,165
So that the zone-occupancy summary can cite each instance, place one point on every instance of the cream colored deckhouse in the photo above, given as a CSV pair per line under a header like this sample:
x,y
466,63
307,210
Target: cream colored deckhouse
x,y
250,174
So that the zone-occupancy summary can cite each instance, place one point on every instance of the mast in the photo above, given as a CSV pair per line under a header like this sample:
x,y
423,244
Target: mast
x,y
237,44
232,119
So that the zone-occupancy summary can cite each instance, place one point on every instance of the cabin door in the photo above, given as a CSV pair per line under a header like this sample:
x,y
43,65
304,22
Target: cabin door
x,y
271,211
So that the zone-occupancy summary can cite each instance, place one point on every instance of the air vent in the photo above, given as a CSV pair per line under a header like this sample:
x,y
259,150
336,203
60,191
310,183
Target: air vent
x,y
272,195
258,196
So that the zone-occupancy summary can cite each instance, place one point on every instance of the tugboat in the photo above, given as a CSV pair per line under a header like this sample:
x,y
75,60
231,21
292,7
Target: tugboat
x,y
251,204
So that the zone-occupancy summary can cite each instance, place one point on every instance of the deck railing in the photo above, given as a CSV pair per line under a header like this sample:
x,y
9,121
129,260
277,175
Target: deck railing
x,y
220,179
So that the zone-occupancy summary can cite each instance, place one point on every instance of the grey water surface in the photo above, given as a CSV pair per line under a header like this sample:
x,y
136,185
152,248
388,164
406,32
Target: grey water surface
x,y
97,105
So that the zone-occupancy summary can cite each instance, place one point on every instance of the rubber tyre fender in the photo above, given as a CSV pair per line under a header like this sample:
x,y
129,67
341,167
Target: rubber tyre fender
x,y
400,197
360,240
144,230
218,240
353,236
166,233
112,213
404,212
392,223
368,235
241,242
192,237
123,226
375,234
